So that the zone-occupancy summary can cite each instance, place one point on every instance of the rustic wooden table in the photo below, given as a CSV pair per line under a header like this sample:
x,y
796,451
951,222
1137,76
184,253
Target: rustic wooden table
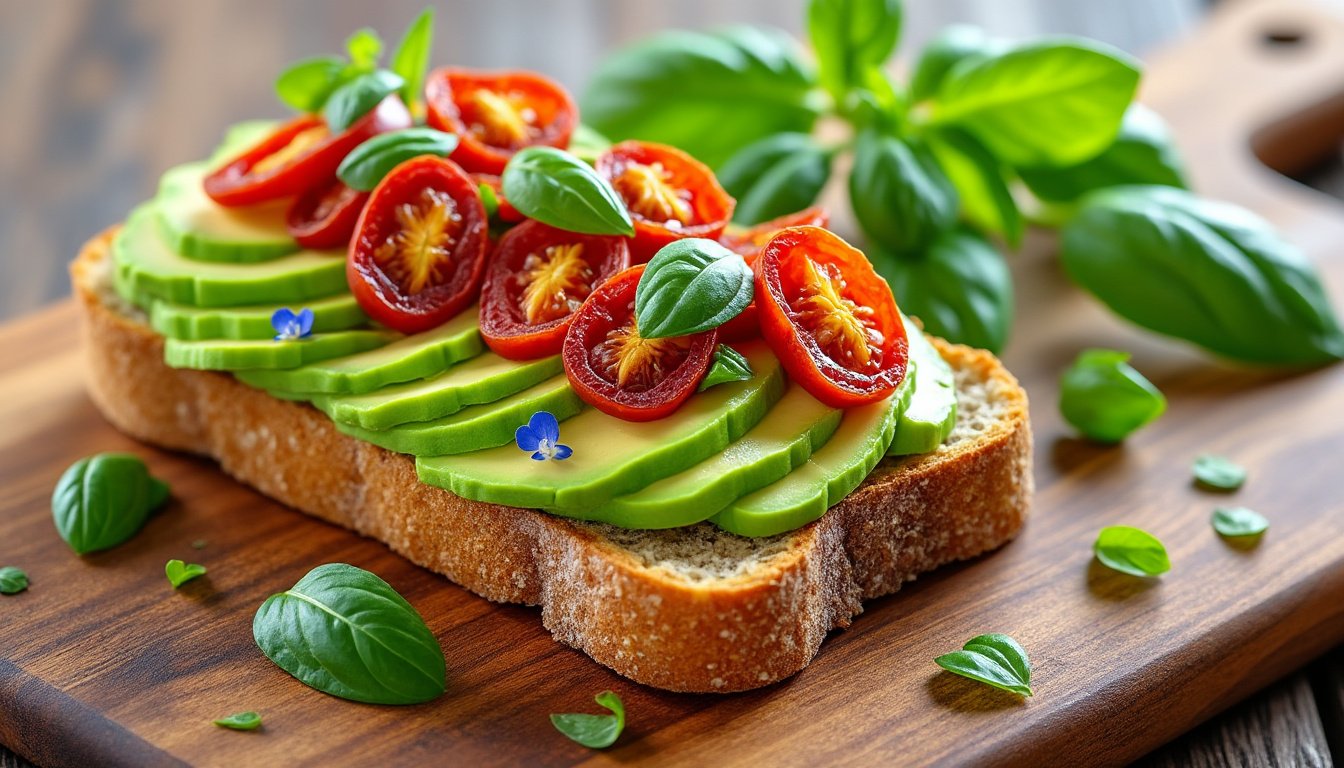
x,y
104,95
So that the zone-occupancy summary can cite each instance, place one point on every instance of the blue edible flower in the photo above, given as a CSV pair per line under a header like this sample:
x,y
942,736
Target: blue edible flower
x,y
541,436
291,327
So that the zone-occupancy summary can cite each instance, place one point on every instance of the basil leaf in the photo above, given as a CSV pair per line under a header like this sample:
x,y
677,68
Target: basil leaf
x,y
104,500
1236,522
899,193
1132,551
488,199
691,285
953,44
979,179
411,59
307,84
368,163
1207,272
1052,102
346,632
586,143
1106,399
1141,154
710,94
994,659
1218,473
354,99
180,573
849,37
12,580
556,188
240,721
775,176
960,288
594,731
729,365
364,48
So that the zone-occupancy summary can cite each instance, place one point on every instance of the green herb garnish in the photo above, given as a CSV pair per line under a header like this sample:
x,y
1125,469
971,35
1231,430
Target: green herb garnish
x,y
104,500
691,285
1238,522
594,731
995,660
411,59
1132,551
180,573
12,580
240,721
357,98
556,188
728,365
1103,397
368,163
1218,473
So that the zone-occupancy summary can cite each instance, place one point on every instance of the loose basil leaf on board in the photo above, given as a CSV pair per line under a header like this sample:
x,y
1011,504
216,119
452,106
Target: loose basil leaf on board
x,y
368,163
1142,153
180,573
346,632
1206,272
1238,522
710,94
980,182
1218,473
104,500
728,365
899,193
354,99
594,731
775,176
306,85
1052,102
995,660
240,721
411,59
1132,551
586,143
364,47
12,580
960,288
691,285
1104,398
850,37
556,188
953,44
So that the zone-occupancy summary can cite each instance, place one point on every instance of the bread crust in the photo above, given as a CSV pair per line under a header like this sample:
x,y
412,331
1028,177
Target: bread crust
x,y
598,592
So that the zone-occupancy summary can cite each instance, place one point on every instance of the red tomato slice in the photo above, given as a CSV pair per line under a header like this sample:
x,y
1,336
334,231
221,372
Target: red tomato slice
x,y
829,318
495,114
419,249
670,195
325,217
298,156
750,241
537,279
623,374
507,213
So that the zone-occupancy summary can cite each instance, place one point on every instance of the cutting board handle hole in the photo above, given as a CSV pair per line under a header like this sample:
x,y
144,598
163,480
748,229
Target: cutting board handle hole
x,y
1283,37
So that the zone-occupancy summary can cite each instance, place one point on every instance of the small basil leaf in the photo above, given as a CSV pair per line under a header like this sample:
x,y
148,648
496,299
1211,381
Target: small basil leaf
x,y
306,85
12,580
1132,551
411,59
691,285
1218,473
1142,153
368,163
240,721
104,500
354,99
346,632
364,48
594,731
995,660
849,37
729,365
586,143
1236,522
488,199
775,176
556,188
1106,399
980,183
899,193
945,50
180,573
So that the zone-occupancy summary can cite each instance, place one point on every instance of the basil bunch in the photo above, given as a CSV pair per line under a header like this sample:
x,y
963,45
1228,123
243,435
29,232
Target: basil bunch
x,y
102,501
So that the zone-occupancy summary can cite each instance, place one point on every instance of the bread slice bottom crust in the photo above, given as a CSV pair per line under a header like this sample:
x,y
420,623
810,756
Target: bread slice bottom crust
x,y
692,609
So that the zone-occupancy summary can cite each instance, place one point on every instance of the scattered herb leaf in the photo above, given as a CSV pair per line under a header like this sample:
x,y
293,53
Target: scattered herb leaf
x,y
1218,473
240,721
12,580
1238,522
556,188
104,500
1132,551
728,365
368,163
691,285
1104,398
994,659
180,573
594,731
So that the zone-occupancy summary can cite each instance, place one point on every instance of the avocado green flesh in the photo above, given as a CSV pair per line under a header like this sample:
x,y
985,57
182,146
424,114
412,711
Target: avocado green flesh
x,y
199,228
225,355
176,321
932,412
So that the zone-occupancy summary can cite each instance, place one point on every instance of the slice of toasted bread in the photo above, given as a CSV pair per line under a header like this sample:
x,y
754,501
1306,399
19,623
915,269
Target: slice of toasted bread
x,y
689,609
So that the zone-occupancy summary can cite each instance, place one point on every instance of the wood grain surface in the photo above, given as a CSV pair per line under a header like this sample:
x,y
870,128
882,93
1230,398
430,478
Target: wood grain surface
x,y
109,666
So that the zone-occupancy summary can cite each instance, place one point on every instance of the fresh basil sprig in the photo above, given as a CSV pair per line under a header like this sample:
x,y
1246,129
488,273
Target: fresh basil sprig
x,y
777,175
900,194
240,721
594,731
346,632
411,59
1103,397
180,573
12,580
365,48
1238,522
1132,551
993,659
368,163
1217,473
306,85
850,38
691,285
556,188
981,182
728,365
949,47
104,500
356,98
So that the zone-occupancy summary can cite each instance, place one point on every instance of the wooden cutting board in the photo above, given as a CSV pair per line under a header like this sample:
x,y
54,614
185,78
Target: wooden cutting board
x,y
102,663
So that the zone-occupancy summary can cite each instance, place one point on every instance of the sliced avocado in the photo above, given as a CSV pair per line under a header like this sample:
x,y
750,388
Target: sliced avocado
x,y
932,412
475,427
485,378
413,357
148,267
199,228
611,456
228,355
177,321
238,137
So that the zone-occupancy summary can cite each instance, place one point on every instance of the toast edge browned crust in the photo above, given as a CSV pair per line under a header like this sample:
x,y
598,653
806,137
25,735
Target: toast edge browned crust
x,y
643,621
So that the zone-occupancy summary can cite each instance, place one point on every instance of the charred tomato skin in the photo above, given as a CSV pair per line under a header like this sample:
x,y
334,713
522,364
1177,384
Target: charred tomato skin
x,y
686,190
383,296
325,216
750,241
607,309
238,182
505,324
452,98
781,277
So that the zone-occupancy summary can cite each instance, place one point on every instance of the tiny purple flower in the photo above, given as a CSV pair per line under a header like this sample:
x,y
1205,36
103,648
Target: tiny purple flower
x,y
541,436
290,326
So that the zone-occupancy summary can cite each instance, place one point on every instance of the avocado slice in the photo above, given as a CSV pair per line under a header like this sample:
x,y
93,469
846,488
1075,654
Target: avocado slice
x,y
412,357
932,412
229,355
178,321
199,228
611,456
